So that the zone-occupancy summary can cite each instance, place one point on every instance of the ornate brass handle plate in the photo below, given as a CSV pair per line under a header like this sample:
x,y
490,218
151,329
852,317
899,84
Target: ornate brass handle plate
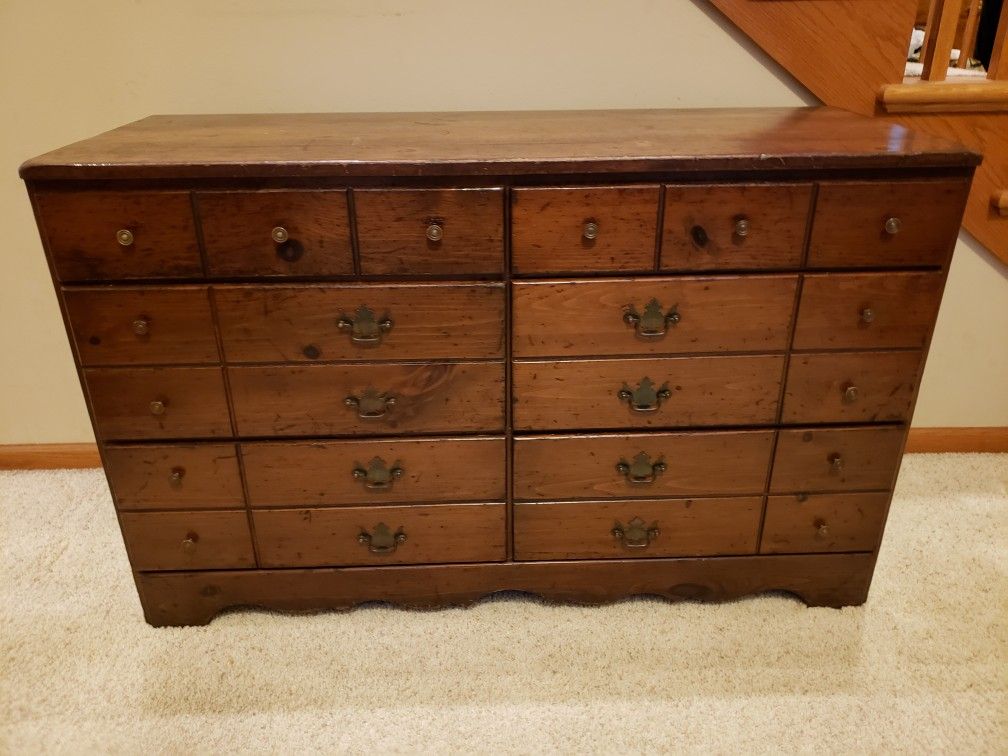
x,y
377,475
637,534
370,403
365,329
644,398
381,540
654,322
642,470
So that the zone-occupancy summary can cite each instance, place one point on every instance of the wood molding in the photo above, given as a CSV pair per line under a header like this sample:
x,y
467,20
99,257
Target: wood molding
x,y
48,456
928,440
980,96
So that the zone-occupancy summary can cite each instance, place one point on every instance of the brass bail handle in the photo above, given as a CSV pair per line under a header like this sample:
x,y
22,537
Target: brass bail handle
x,y
381,540
655,322
377,475
646,397
370,404
365,329
641,471
636,534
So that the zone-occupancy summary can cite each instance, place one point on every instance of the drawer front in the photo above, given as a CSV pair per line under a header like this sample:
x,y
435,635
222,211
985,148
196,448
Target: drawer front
x,y
644,528
823,522
276,233
670,392
653,464
138,403
397,321
175,476
867,310
375,472
652,316
188,540
735,227
437,534
851,387
95,236
836,459
325,400
430,231
876,224
142,326
594,229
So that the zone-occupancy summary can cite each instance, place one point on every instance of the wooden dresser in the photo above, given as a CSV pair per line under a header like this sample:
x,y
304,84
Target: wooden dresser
x,y
421,358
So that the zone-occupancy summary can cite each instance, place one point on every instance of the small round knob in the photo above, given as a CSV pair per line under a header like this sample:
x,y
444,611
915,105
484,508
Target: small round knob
x,y
836,462
176,475
279,234
590,230
742,227
189,543
124,236
157,407
867,315
435,232
893,225
141,326
850,393
822,530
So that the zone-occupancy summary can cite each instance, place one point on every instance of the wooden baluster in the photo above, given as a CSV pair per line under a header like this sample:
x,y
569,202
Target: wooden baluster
x,y
998,68
938,39
969,33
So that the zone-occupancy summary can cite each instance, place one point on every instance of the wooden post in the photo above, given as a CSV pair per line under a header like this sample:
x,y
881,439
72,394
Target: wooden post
x,y
998,68
968,44
938,38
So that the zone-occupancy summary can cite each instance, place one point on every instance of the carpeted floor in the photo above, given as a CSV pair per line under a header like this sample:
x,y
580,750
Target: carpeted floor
x,y
923,666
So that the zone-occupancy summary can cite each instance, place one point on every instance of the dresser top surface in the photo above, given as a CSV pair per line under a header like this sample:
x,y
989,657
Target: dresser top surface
x,y
495,143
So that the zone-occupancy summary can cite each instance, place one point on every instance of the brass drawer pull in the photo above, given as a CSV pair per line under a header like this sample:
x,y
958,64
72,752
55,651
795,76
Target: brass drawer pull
x,y
642,470
370,403
654,322
867,315
176,475
742,227
188,544
364,328
125,237
377,475
893,226
836,462
636,534
850,393
435,232
141,326
644,398
590,230
822,529
287,249
382,540
158,406
279,234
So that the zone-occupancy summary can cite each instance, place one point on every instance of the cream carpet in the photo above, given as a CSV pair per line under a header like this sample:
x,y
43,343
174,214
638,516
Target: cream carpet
x,y
922,667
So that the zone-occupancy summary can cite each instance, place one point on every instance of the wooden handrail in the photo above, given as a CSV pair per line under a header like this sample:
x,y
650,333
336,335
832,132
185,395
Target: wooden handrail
x,y
954,96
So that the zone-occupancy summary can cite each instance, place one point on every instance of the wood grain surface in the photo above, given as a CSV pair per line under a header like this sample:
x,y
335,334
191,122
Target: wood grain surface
x,y
823,522
836,459
187,540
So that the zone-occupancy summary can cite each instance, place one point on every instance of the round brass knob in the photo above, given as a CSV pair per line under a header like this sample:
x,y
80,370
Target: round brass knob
x,y
141,326
157,407
742,227
867,315
822,530
836,462
435,232
176,475
590,230
124,236
279,234
850,393
189,543
893,225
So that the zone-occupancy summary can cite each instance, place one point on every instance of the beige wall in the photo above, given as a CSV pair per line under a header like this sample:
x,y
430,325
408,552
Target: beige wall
x,y
70,69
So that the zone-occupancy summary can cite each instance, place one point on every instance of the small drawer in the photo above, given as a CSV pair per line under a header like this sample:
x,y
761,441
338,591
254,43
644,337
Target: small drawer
x,y
375,472
94,236
865,310
646,393
361,321
836,459
653,464
142,325
871,387
444,232
174,476
434,534
335,400
735,226
188,540
642,528
652,316
276,233
137,403
802,524
590,229
876,224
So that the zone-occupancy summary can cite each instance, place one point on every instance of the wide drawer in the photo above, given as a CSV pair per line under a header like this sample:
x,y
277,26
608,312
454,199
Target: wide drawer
x,y
375,472
95,236
430,231
866,310
174,476
591,229
276,233
882,224
734,226
836,459
433,534
332,400
652,316
139,403
651,464
644,528
362,321
142,325
803,524
851,387
188,540
646,393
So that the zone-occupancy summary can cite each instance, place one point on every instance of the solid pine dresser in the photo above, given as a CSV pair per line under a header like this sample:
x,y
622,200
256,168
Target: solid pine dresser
x,y
420,358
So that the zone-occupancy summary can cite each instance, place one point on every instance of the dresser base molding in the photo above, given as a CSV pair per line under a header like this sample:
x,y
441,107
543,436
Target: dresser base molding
x,y
195,598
